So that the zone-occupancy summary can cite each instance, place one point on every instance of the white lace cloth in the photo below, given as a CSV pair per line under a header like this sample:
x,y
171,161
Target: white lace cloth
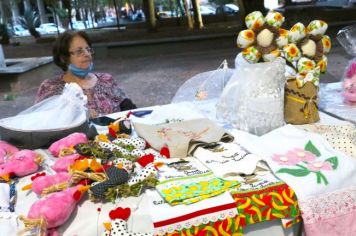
x,y
167,219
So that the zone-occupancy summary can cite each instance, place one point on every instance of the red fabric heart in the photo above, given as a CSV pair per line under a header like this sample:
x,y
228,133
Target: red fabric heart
x,y
37,175
146,159
165,152
112,133
120,213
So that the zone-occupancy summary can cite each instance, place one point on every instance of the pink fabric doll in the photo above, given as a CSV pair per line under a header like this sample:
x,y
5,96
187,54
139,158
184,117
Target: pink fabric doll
x,y
6,150
63,163
349,84
22,163
54,210
67,142
41,183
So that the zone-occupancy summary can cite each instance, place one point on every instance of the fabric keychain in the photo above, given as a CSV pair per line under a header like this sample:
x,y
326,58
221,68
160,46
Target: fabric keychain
x,y
67,142
118,224
115,177
61,205
43,184
20,164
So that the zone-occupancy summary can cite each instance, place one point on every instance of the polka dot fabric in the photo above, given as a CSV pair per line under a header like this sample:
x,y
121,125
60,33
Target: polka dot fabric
x,y
340,137
119,227
143,174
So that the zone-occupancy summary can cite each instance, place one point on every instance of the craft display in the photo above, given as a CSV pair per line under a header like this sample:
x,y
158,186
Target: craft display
x,y
303,49
62,164
21,163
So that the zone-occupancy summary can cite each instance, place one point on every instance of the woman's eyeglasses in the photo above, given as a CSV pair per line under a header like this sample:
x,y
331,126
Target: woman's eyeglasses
x,y
81,52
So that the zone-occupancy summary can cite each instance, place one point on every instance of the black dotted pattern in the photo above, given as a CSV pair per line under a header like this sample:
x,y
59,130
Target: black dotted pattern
x,y
116,177
143,174
119,227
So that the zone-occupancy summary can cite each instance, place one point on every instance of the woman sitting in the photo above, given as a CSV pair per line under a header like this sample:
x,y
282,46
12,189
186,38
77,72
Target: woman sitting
x,y
72,52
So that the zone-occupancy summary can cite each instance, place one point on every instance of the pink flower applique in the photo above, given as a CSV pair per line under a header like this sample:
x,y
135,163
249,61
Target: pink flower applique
x,y
287,160
319,165
301,155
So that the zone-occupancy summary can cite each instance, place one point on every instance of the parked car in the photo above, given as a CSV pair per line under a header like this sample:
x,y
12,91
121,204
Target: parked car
x,y
229,9
78,25
50,28
205,10
19,30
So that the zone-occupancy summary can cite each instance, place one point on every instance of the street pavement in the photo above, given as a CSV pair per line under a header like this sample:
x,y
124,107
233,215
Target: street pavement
x,y
151,74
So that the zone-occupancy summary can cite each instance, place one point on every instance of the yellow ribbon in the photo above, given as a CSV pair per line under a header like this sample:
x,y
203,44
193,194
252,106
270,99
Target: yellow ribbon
x,y
308,105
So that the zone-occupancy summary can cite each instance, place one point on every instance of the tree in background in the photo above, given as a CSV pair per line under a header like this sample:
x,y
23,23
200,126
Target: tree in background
x,y
30,20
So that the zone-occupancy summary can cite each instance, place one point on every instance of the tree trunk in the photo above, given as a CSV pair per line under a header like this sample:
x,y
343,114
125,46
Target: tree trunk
x,y
180,8
198,21
2,11
152,23
189,17
14,11
117,15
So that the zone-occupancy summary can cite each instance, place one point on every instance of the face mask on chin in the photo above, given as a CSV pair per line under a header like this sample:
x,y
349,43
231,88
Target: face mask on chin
x,y
79,72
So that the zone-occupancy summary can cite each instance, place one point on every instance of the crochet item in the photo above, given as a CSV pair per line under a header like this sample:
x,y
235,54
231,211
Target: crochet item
x,y
67,142
115,176
118,224
22,163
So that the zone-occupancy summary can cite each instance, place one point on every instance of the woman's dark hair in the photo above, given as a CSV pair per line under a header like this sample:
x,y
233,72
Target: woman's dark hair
x,y
60,49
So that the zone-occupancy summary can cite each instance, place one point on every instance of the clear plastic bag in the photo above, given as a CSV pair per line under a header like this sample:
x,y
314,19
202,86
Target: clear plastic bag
x,y
204,86
347,38
253,99
48,120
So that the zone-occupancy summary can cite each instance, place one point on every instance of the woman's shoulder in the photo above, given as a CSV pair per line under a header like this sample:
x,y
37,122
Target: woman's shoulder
x,y
54,82
105,79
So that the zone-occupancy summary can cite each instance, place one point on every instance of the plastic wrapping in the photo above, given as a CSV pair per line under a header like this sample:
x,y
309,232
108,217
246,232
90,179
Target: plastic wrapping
x,y
253,99
347,38
204,86
48,120
332,102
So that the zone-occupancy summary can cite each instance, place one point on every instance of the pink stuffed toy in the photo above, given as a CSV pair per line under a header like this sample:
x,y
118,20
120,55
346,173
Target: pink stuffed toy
x,y
67,142
42,182
54,210
6,151
349,84
22,163
63,163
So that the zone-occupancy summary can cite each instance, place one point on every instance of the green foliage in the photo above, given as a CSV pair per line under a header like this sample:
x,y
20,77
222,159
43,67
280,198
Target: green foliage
x,y
311,148
30,20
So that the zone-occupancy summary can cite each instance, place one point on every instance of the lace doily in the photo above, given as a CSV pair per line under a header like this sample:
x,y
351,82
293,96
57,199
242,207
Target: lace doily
x,y
328,205
205,219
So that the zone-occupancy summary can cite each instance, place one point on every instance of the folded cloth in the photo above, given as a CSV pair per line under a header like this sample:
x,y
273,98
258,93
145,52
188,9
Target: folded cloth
x,y
317,173
167,219
340,137
178,135
188,181
228,160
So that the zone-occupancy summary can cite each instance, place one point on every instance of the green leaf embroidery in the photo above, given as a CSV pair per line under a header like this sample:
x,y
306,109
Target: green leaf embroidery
x,y
311,148
333,161
324,178
295,172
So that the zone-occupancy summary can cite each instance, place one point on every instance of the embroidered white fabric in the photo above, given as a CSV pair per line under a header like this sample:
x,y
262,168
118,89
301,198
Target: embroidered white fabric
x,y
60,111
329,205
253,99
213,217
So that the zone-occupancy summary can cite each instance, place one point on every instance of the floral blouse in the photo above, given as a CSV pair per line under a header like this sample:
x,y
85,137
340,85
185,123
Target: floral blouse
x,y
104,98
